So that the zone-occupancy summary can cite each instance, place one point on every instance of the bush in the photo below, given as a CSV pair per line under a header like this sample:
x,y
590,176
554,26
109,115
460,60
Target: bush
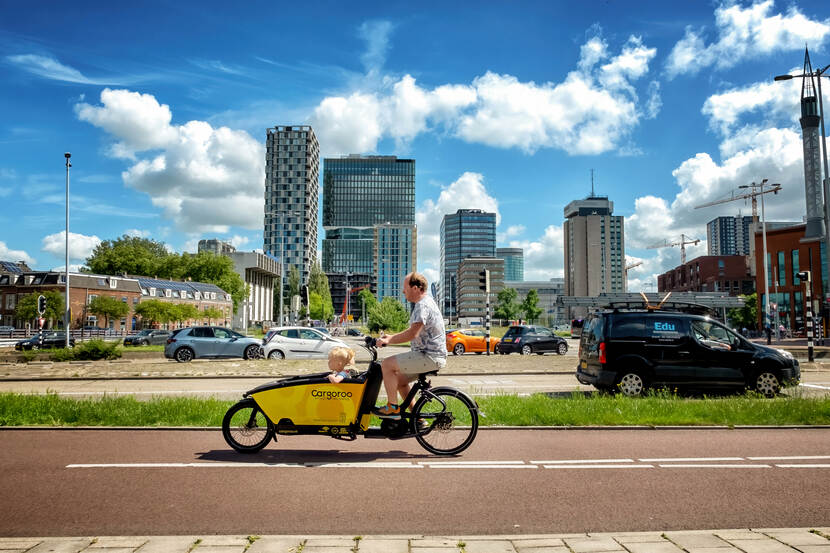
x,y
91,350
62,354
28,355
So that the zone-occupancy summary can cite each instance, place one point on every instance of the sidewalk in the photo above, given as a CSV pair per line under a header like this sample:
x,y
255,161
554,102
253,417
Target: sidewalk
x,y
774,540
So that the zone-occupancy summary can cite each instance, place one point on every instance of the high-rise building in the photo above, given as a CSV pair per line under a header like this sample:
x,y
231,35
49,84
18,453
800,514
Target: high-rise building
x,y
729,235
395,255
514,263
465,233
594,248
215,246
472,300
292,161
369,219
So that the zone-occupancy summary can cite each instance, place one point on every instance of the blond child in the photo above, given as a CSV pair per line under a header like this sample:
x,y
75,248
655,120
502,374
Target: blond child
x,y
341,364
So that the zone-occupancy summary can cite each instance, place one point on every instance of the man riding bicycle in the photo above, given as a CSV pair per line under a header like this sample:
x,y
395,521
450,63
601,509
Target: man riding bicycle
x,y
427,341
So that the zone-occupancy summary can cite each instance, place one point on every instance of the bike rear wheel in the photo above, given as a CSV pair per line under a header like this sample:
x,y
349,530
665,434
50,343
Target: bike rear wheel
x,y
246,428
450,421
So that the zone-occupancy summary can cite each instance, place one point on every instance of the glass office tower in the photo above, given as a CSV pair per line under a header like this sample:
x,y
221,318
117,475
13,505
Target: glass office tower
x,y
514,263
367,201
465,233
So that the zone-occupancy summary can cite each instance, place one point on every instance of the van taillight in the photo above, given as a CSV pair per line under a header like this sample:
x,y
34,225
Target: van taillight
x,y
602,352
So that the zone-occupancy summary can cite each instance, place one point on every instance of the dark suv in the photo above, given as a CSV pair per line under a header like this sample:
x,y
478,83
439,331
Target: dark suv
x,y
633,350
531,339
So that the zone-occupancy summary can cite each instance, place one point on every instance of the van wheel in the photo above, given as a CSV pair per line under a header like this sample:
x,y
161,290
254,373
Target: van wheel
x,y
631,384
767,384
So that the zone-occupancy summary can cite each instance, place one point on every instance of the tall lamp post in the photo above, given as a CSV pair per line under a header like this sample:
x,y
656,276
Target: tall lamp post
x,y
764,241
818,74
67,155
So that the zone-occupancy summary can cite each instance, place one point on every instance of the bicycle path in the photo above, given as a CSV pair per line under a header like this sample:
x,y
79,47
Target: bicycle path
x,y
760,540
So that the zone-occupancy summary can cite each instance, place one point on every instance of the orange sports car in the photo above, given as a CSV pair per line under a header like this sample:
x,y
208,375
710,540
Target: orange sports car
x,y
469,339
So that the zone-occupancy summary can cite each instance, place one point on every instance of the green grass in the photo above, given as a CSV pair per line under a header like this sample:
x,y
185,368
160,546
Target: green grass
x,y
657,409
158,347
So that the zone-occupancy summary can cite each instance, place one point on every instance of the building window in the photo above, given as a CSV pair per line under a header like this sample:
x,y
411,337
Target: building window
x,y
782,270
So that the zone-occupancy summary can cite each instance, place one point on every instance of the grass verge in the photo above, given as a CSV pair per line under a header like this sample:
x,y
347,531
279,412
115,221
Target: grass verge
x,y
657,409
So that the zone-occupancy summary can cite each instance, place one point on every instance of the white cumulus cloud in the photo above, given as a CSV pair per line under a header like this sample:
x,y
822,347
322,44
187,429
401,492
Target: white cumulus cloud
x,y
591,111
80,245
745,32
544,257
8,254
205,179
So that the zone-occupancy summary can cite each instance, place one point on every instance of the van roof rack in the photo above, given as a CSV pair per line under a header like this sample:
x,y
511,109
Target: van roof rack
x,y
663,305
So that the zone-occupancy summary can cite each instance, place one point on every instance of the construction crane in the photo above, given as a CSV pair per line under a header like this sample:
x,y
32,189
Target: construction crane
x,y
625,271
344,315
752,194
682,243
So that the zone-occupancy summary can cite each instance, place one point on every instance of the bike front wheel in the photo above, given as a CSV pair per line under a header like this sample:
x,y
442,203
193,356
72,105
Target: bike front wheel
x,y
445,420
246,428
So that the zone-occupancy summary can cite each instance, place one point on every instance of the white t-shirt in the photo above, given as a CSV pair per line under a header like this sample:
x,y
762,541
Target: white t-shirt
x,y
431,340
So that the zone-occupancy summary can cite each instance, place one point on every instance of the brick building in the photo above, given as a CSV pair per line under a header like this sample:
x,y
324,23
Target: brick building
x,y
84,287
710,273
786,256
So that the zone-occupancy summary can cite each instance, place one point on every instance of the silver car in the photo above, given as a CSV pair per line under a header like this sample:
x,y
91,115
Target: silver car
x,y
196,342
299,342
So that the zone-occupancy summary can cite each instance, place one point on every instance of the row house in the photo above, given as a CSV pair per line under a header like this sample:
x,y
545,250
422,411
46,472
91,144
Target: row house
x,y
84,287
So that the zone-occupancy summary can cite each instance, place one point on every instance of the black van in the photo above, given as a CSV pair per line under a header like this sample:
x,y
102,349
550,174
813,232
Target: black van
x,y
630,351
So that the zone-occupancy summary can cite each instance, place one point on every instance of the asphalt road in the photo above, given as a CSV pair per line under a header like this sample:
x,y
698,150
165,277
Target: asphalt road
x,y
104,482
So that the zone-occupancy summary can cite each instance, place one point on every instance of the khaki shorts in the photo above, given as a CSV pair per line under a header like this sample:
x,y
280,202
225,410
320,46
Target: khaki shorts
x,y
413,363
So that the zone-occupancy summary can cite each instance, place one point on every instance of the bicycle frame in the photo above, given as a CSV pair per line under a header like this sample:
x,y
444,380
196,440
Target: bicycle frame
x,y
310,404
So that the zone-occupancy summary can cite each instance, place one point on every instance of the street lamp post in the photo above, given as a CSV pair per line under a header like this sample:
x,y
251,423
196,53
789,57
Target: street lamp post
x,y
818,74
764,241
67,155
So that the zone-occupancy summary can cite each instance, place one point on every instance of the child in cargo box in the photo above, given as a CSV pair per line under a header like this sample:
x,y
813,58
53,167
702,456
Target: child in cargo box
x,y
341,364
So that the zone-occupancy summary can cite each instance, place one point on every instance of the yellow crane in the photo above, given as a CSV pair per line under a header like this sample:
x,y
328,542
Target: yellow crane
x,y
625,272
682,243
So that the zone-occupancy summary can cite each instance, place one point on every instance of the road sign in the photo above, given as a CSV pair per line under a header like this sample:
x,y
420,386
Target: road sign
x,y
40,321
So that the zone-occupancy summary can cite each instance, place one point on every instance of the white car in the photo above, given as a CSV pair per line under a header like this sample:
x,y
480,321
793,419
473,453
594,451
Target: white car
x,y
299,342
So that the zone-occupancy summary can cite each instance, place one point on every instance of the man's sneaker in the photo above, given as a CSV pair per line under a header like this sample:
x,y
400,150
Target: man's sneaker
x,y
388,411
422,425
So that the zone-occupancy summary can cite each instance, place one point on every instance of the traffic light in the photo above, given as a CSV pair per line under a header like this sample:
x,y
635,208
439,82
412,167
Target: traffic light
x,y
41,305
803,275
305,295
484,281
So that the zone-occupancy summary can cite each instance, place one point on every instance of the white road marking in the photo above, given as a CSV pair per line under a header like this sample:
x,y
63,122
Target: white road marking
x,y
583,461
605,466
713,466
690,459
432,463
789,458
805,466
480,466
815,386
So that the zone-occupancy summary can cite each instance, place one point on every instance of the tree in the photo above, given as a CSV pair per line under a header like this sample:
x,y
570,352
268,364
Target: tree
x,y
530,306
367,300
154,311
211,313
507,307
315,305
27,307
318,282
108,307
389,314
746,316
129,254
293,282
181,312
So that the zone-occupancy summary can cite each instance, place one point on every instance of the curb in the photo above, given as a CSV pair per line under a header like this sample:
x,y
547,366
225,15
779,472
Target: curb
x,y
480,428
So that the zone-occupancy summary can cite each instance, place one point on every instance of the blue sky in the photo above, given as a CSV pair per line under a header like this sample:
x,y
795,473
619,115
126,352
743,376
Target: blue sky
x,y
506,106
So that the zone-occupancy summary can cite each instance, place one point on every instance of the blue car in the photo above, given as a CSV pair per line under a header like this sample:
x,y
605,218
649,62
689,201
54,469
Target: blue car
x,y
199,342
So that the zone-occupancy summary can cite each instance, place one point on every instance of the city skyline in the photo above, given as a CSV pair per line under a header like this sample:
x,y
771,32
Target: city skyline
x,y
504,110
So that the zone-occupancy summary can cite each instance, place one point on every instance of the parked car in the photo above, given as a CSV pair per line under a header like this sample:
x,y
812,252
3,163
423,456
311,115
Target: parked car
x,y
631,351
6,331
197,342
295,342
460,341
351,331
527,339
50,339
147,337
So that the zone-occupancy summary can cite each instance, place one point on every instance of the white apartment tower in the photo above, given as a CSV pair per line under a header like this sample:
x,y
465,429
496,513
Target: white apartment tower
x,y
594,248
292,162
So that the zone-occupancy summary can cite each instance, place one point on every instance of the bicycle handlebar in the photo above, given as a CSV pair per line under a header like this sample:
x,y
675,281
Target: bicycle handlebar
x,y
371,345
